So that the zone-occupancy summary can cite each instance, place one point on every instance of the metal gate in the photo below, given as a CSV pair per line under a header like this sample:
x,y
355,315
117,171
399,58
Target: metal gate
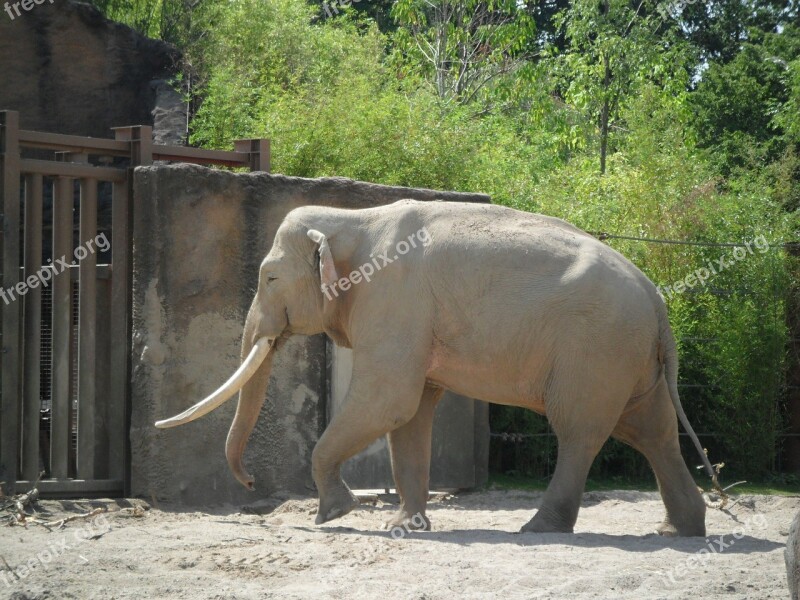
x,y
65,301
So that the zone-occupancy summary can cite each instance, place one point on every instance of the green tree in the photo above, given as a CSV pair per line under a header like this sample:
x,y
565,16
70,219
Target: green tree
x,y
612,48
744,107
719,28
462,46
173,21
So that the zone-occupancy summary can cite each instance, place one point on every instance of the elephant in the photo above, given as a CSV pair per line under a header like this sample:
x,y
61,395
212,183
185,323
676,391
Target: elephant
x,y
496,304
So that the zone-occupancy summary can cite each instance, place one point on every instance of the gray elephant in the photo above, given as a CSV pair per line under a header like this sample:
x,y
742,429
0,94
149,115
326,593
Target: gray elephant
x,y
489,302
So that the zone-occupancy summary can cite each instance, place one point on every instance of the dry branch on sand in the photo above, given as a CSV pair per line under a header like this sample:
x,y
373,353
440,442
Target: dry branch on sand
x,y
61,522
16,505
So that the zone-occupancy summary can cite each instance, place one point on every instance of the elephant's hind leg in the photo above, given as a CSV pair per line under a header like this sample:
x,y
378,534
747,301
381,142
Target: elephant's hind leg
x,y
582,424
410,447
652,428
562,500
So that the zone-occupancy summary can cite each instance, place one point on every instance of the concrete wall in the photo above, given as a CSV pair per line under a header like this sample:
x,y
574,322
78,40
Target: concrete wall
x,y
199,236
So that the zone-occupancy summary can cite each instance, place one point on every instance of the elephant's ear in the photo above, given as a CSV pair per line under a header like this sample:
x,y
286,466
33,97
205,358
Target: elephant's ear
x,y
327,270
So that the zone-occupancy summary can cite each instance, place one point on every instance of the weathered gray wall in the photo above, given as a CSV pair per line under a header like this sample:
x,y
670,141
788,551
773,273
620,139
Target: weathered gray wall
x,y
199,236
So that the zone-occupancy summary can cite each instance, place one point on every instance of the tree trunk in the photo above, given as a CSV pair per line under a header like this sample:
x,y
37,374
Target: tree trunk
x,y
604,116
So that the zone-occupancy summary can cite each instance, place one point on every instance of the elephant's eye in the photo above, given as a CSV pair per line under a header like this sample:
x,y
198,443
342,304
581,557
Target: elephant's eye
x,y
270,278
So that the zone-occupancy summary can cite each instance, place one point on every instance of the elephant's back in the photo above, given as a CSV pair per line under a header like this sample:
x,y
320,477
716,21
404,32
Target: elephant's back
x,y
485,245
540,270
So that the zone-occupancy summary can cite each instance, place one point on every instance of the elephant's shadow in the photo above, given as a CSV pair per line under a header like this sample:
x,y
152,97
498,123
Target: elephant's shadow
x,y
651,542
646,542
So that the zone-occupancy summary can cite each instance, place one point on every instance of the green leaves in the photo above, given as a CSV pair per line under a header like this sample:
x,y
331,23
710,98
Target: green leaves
x,y
462,47
744,109
613,48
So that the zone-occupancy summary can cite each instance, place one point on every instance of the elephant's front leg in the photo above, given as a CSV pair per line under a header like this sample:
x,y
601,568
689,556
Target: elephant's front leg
x,y
410,447
380,399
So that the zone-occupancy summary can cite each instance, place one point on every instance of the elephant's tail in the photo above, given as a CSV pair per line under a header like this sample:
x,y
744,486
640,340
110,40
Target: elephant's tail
x,y
668,354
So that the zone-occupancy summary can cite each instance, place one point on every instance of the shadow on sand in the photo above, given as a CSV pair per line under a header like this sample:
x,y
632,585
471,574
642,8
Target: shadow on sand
x,y
629,543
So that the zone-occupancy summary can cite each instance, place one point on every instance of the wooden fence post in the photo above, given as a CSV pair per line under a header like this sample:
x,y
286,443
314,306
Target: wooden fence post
x,y
258,152
140,138
61,412
11,304
31,368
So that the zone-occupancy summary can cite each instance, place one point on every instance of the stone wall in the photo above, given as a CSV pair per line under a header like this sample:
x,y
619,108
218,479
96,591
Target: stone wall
x,y
199,237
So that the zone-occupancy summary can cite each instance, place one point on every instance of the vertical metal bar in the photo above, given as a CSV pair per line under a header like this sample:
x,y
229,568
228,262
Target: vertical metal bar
x,y
119,326
11,307
85,253
33,326
73,374
62,326
103,400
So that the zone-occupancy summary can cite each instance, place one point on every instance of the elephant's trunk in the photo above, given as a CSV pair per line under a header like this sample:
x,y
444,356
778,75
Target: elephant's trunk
x,y
251,399
249,367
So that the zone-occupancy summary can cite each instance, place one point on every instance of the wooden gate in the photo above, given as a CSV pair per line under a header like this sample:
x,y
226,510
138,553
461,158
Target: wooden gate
x,y
65,301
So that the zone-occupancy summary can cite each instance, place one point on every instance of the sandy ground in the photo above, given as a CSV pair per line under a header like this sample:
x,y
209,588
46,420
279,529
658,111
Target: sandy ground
x,y
274,550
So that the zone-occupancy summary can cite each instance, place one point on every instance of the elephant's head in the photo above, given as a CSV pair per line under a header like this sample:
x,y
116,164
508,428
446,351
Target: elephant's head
x,y
289,300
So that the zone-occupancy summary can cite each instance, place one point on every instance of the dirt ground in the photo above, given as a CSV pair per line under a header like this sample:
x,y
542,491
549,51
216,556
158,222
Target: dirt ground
x,y
274,550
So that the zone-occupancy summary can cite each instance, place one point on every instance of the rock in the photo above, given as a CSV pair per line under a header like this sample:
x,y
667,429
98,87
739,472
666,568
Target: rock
x,y
73,71
169,115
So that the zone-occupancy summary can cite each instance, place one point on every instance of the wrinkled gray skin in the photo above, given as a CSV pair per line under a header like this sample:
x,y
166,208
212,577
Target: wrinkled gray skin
x,y
504,306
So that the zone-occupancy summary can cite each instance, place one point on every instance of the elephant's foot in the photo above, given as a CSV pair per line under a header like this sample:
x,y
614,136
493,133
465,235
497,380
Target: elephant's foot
x,y
542,522
687,528
667,529
404,520
335,504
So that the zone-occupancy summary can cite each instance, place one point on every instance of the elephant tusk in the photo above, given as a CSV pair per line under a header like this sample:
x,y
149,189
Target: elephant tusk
x,y
248,367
